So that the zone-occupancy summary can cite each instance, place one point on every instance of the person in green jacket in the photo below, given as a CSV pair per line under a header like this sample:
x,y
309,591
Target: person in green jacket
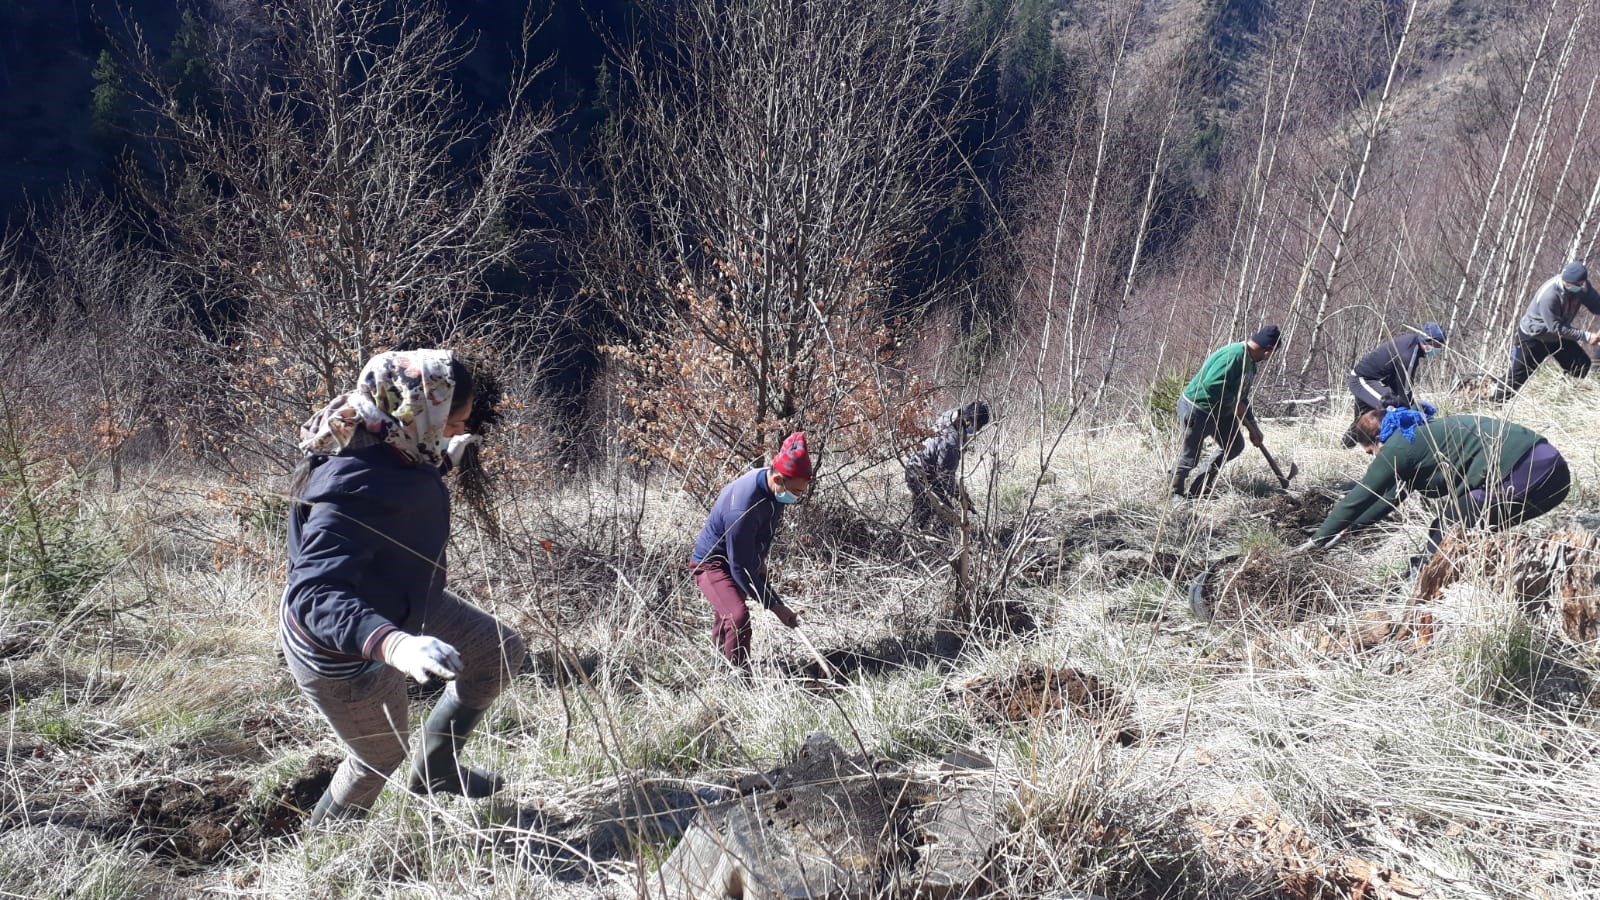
x,y
1488,473
1214,404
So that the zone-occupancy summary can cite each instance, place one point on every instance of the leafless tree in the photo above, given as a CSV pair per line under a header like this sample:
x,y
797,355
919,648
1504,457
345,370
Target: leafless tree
x,y
332,197
108,320
772,167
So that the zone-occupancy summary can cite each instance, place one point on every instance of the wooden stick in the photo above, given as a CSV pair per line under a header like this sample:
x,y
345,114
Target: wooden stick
x,y
827,670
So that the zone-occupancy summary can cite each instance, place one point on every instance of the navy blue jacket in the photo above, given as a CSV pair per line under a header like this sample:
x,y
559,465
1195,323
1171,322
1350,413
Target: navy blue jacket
x,y
739,531
1394,365
366,556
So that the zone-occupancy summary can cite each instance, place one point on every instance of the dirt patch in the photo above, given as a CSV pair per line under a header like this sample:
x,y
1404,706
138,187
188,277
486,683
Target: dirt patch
x,y
1121,565
1301,512
1034,692
197,821
1268,587
294,798
1271,845
191,820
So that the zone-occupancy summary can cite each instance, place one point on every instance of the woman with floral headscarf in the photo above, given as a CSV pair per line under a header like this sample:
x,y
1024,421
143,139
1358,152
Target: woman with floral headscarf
x,y
365,604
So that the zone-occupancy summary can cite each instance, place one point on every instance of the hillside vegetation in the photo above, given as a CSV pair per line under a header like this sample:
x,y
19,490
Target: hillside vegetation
x,y
1326,734
757,216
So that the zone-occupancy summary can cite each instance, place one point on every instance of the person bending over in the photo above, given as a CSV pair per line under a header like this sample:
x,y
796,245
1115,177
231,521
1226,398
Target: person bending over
x,y
1546,330
933,473
1485,473
1385,378
729,560
1214,404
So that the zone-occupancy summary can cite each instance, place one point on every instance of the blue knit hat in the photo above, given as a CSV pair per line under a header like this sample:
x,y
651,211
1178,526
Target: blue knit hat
x,y
1575,273
1267,337
1434,332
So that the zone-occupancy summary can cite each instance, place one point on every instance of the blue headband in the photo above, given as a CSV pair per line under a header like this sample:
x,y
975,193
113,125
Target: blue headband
x,y
1405,421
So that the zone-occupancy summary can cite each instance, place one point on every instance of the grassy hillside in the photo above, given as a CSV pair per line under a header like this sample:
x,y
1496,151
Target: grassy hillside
x,y
157,746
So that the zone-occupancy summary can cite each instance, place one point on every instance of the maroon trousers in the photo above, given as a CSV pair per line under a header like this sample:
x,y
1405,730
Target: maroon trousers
x,y
731,626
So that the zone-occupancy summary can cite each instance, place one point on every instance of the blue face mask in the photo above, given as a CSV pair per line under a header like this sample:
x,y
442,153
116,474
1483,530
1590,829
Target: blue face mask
x,y
1432,351
785,497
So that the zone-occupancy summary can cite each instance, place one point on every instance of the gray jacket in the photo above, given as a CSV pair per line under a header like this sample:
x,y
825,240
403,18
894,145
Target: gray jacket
x,y
1549,316
940,456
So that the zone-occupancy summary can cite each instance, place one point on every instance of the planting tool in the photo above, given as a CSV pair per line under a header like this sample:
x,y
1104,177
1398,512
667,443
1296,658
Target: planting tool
x,y
1198,606
1282,478
827,670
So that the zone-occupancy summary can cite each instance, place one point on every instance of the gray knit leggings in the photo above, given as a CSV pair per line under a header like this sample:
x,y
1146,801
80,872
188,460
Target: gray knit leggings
x,y
368,712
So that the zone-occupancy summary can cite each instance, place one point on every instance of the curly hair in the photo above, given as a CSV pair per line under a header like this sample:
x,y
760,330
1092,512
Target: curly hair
x,y
473,482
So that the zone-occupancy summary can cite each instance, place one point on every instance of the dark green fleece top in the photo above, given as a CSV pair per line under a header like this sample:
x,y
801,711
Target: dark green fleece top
x,y
1450,457
1224,379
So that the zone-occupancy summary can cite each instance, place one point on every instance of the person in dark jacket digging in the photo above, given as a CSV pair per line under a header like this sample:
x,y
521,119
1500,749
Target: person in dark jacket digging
x,y
1215,403
365,604
1487,473
1546,328
933,473
1384,379
729,561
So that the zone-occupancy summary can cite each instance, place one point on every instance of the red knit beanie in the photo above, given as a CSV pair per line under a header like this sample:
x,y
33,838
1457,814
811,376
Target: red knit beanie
x,y
792,460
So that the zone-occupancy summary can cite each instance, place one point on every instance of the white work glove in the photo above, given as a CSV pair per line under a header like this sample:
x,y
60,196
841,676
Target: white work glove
x,y
423,658
457,446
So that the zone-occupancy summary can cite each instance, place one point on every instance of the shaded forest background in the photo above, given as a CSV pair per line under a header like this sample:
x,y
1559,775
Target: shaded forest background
x,y
699,224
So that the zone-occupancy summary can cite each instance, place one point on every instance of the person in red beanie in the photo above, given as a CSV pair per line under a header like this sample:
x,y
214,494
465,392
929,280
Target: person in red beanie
x,y
729,562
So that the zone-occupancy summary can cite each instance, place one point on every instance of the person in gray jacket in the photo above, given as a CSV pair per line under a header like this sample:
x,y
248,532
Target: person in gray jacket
x,y
933,471
1546,328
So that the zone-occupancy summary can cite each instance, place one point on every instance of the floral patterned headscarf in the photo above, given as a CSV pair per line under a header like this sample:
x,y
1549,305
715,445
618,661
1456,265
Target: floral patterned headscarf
x,y
402,397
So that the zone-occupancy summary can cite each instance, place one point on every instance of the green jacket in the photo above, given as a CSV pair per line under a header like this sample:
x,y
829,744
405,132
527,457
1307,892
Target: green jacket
x,y
1450,458
1224,379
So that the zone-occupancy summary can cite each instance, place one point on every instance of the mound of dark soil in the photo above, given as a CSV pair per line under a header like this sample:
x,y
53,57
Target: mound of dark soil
x,y
1034,692
1269,587
192,820
1300,512
196,821
1121,565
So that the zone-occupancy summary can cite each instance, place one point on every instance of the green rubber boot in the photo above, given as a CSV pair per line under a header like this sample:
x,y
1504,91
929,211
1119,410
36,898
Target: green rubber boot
x,y
436,769
327,810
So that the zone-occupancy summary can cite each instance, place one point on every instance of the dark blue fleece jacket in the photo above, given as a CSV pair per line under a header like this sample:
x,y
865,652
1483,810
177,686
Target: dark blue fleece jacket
x,y
739,531
366,556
